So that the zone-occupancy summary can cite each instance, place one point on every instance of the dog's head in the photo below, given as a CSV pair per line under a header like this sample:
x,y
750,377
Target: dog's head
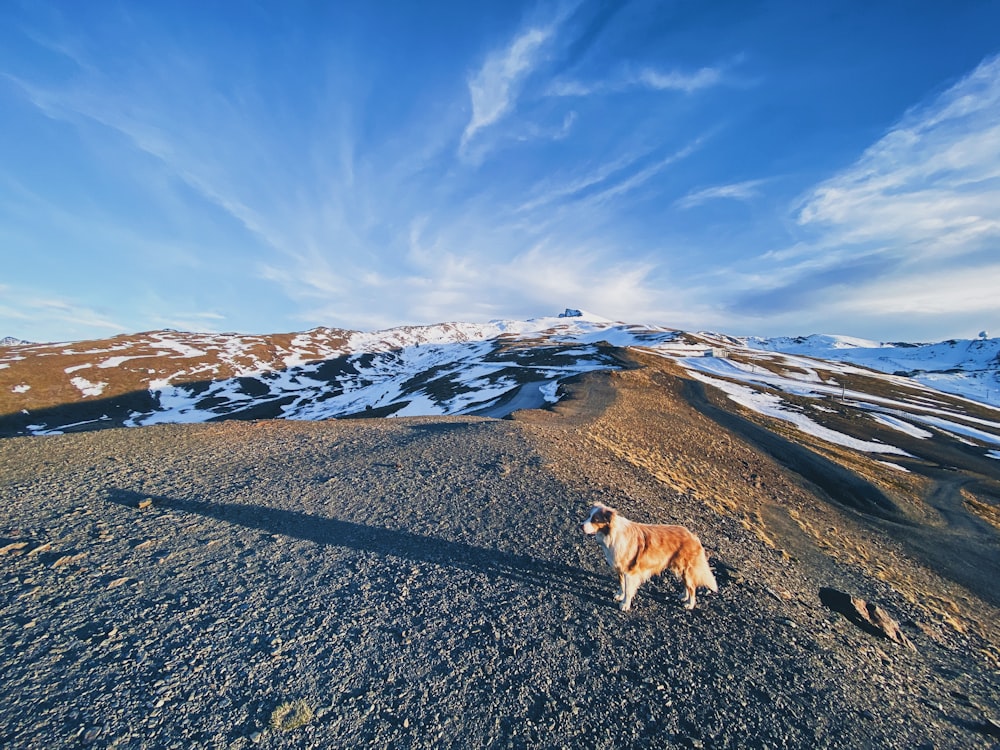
x,y
599,520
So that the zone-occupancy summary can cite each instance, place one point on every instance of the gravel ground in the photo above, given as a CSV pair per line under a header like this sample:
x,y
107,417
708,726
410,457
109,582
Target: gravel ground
x,y
419,583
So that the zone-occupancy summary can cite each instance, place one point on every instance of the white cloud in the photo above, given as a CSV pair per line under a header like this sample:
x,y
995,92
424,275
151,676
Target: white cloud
x,y
495,86
903,238
677,81
488,280
201,322
737,191
649,78
932,183
954,291
31,313
641,176
552,191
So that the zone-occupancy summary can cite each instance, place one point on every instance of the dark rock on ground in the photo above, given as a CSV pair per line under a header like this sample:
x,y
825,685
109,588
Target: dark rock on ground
x,y
866,615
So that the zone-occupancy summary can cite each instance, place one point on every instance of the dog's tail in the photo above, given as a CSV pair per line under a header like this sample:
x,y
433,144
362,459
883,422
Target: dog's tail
x,y
703,575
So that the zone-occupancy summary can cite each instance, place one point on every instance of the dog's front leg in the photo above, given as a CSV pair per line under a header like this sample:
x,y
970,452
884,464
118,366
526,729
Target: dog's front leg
x,y
629,586
620,596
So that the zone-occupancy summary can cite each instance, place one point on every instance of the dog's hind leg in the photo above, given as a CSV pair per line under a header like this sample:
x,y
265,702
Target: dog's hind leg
x,y
689,593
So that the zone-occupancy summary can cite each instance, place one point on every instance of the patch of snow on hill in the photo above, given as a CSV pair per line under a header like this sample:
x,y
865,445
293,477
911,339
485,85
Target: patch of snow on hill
x,y
968,368
957,428
760,382
902,425
168,342
87,388
773,406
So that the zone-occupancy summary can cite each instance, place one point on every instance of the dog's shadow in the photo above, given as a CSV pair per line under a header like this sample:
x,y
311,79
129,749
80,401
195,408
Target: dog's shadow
x,y
553,576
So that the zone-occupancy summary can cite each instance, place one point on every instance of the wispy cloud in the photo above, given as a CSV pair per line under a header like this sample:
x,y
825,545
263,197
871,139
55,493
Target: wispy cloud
x,y
553,191
587,204
37,312
638,178
932,182
447,275
493,89
678,81
743,191
281,180
203,322
908,231
949,291
630,78
95,101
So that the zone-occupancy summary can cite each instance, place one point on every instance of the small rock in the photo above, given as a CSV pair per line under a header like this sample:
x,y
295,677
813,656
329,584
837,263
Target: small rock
x,y
92,734
147,503
869,617
68,559
781,596
13,547
991,727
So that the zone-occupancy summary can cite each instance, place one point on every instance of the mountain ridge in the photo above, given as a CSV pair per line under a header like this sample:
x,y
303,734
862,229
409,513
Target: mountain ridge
x,y
446,368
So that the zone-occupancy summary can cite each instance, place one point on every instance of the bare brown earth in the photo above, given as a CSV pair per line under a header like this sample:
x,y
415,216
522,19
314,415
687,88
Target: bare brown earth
x,y
424,583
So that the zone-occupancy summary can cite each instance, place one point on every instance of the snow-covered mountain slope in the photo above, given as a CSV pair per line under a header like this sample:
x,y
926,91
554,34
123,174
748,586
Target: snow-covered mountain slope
x,y
855,394
169,376
963,367
493,369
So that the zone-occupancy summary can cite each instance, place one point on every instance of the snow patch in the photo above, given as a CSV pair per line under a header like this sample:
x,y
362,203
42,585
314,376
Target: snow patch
x,y
87,388
902,425
772,406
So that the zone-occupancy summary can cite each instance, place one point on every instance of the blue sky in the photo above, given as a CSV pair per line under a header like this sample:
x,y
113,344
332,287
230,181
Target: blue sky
x,y
764,168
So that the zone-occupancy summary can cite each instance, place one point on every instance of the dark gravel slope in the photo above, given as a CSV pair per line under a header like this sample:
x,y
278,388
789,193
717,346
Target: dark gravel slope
x,y
419,583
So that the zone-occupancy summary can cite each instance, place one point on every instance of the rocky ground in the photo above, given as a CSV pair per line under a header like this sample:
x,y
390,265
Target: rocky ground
x,y
425,583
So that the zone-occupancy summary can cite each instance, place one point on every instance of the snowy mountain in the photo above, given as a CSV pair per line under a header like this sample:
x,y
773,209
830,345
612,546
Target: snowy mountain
x,y
841,391
962,367
488,369
169,376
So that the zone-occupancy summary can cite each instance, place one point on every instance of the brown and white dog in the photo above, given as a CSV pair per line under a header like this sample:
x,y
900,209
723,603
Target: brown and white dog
x,y
639,551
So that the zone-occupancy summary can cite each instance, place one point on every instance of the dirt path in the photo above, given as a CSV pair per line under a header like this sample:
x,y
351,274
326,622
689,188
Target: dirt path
x,y
419,583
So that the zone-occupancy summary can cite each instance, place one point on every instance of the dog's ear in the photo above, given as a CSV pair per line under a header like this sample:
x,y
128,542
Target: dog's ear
x,y
605,514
